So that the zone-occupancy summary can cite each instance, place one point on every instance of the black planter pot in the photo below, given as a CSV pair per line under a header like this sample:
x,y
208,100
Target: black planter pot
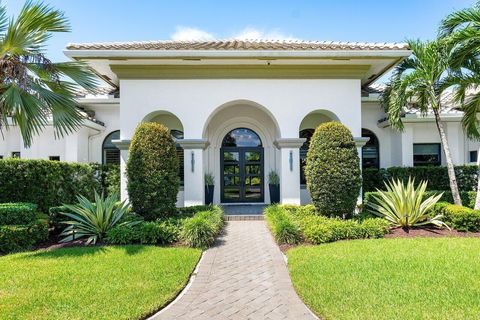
x,y
209,194
274,193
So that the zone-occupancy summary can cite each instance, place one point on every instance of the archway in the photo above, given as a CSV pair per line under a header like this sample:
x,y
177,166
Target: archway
x,y
371,150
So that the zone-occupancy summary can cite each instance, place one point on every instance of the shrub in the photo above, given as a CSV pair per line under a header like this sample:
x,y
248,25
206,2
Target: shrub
x,y
22,237
461,218
437,177
92,220
404,205
332,170
144,233
17,213
282,226
198,232
152,171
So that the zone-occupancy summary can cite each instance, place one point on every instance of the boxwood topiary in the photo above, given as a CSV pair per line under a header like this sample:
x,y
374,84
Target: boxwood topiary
x,y
332,170
152,171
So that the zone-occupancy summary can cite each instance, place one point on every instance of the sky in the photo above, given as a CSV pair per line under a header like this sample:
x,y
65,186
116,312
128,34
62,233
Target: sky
x,y
329,20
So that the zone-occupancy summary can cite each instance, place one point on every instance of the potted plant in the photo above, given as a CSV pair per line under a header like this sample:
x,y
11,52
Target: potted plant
x,y
274,187
209,188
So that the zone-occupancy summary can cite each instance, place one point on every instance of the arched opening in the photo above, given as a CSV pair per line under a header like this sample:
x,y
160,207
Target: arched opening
x,y
110,152
370,151
307,127
173,123
242,166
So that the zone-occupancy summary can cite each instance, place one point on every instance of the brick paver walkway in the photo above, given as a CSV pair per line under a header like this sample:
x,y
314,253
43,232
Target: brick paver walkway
x,y
244,276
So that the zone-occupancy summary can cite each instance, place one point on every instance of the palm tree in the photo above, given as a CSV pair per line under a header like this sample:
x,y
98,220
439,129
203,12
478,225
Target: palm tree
x,y
418,83
34,91
462,30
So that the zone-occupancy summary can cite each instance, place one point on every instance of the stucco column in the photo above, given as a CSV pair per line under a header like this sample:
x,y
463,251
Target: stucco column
x,y
194,185
407,146
455,142
289,169
123,145
360,142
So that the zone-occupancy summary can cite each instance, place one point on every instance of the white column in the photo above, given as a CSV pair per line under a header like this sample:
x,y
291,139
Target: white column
x,y
360,142
194,185
455,142
289,169
76,146
123,145
407,146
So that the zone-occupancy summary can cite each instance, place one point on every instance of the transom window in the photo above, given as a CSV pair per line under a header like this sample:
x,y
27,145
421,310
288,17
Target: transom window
x,y
370,151
111,154
307,134
241,137
426,154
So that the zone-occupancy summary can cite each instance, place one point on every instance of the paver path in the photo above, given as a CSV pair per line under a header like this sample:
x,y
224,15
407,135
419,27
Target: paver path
x,y
244,276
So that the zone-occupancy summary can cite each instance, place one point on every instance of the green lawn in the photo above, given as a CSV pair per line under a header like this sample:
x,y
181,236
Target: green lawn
x,y
420,278
124,282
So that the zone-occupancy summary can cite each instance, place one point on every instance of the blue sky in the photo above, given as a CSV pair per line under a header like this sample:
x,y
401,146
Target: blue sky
x,y
336,20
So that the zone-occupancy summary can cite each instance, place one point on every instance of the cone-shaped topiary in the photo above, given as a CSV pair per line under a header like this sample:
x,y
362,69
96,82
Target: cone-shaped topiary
x,y
152,171
332,170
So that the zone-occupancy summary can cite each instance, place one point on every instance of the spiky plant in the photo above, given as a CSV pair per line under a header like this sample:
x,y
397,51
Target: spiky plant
x,y
92,220
34,91
403,205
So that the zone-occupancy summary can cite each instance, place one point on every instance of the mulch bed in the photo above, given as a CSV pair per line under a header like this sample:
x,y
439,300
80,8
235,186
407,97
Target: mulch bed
x,y
428,232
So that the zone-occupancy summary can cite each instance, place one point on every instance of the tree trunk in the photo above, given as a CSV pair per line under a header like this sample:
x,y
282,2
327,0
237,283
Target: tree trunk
x,y
477,200
448,157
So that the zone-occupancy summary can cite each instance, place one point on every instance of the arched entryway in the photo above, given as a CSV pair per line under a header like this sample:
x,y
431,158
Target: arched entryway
x,y
242,167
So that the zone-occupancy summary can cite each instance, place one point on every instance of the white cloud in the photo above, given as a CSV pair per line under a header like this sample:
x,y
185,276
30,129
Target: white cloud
x,y
183,33
189,33
252,33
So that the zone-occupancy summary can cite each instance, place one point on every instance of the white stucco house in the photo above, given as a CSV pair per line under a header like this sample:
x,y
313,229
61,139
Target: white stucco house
x,y
240,109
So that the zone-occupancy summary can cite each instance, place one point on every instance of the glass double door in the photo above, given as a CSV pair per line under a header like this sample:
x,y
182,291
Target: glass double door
x,y
242,174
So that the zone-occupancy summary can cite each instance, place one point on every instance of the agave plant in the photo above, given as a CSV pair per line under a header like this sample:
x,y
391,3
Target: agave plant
x,y
92,220
404,205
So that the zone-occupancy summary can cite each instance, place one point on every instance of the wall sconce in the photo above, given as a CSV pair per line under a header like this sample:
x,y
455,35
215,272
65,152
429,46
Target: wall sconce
x,y
291,160
193,161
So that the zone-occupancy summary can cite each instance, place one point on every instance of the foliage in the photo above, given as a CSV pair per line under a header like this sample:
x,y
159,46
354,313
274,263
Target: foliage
x,y
200,230
281,223
152,171
404,205
209,179
22,237
386,279
332,170
273,178
92,220
17,213
164,232
51,183
458,217
101,282
34,90
437,177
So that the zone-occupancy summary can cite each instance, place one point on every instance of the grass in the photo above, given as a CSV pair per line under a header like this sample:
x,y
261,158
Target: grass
x,y
419,278
120,282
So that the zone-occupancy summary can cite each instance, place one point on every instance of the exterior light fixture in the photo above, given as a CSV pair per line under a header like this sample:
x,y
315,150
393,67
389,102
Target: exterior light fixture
x,y
291,160
193,161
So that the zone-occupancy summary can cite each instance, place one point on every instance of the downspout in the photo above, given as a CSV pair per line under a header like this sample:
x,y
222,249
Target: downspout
x,y
90,137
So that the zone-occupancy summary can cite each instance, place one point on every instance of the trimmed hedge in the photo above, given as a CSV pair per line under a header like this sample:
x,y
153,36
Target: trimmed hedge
x,y
22,237
52,183
17,213
458,217
437,177
194,226
152,171
332,171
292,224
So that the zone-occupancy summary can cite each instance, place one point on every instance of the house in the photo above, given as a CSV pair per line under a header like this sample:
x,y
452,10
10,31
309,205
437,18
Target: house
x,y
239,109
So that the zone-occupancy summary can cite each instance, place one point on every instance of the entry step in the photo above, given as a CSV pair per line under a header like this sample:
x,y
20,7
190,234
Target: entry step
x,y
243,217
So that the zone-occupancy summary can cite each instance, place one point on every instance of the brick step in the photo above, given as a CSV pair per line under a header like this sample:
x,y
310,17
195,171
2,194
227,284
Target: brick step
x,y
243,217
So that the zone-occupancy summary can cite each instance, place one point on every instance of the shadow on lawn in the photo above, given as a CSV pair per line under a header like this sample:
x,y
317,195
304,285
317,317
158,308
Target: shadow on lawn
x,y
82,251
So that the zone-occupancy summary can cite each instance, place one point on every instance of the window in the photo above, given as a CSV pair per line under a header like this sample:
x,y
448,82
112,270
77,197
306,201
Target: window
x,y
176,135
370,151
111,154
473,156
16,154
1,157
54,158
307,134
426,154
241,137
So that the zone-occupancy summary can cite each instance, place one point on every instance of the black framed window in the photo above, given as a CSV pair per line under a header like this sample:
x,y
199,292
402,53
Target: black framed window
x,y
370,151
110,152
426,154
1,157
307,134
16,154
177,135
54,158
473,156
242,137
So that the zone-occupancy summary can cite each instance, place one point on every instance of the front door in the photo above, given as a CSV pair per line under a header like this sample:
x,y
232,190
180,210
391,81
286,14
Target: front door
x,y
242,174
